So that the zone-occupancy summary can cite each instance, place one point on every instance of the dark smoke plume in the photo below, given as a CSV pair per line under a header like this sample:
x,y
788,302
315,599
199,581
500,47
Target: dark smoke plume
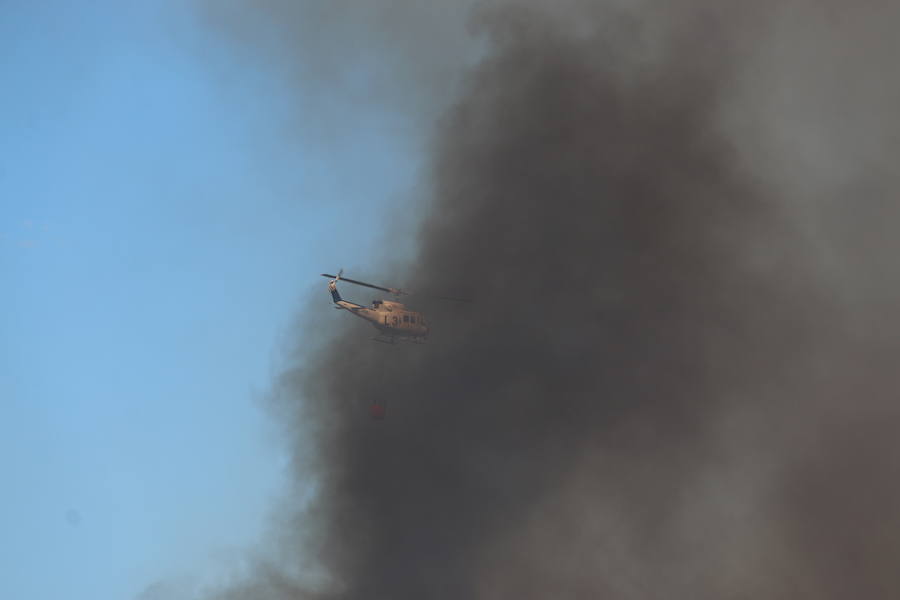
x,y
660,391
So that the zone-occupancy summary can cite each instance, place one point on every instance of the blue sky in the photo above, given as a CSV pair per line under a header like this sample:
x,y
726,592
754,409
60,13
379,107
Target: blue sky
x,y
163,215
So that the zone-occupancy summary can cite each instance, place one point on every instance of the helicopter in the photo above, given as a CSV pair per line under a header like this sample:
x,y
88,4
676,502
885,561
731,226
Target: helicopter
x,y
393,320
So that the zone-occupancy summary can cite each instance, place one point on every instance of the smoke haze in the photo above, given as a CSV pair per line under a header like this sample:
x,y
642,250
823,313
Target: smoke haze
x,y
677,379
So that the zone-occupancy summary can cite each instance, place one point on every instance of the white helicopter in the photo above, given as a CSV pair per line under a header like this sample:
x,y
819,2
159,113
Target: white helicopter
x,y
392,319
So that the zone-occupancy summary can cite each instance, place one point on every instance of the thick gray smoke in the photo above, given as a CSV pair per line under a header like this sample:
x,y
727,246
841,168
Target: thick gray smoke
x,y
674,381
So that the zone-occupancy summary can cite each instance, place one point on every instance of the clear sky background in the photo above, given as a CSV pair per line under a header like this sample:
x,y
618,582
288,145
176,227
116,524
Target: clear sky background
x,y
163,218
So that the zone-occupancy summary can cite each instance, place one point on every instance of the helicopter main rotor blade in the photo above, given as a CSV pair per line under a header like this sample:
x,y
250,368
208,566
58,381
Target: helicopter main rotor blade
x,y
451,298
369,285
395,291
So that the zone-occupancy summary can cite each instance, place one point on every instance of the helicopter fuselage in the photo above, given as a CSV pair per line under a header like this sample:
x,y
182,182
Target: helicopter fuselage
x,y
391,318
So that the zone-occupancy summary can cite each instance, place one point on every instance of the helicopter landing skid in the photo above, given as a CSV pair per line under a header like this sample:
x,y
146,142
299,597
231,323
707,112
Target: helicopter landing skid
x,y
392,339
